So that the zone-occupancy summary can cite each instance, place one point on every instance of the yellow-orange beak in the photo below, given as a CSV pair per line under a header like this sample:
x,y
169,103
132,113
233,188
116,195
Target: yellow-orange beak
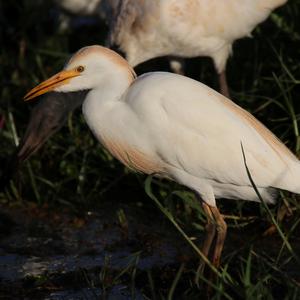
x,y
48,85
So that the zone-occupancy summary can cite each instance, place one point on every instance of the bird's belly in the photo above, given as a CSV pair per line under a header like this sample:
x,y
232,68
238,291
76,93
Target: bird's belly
x,y
132,157
111,124
205,46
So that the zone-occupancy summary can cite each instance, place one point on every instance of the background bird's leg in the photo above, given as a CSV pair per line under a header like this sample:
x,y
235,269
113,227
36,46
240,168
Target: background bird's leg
x,y
177,65
221,235
223,84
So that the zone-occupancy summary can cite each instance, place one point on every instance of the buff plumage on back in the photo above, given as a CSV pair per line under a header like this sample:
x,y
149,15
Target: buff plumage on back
x,y
272,4
268,136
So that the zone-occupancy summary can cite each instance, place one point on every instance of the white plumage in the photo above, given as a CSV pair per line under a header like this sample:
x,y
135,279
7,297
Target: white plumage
x,y
173,126
188,28
145,29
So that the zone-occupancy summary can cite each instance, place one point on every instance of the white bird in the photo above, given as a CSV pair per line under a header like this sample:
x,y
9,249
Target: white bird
x,y
175,127
146,29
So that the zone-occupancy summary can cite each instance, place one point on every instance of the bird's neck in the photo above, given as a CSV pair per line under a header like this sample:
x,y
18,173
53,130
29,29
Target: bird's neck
x,y
110,90
102,100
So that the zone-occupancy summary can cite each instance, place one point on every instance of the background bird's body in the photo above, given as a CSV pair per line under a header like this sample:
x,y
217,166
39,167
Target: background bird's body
x,y
187,28
146,29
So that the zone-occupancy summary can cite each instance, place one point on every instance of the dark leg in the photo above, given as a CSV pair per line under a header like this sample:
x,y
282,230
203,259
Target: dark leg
x,y
210,231
221,235
283,211
223,84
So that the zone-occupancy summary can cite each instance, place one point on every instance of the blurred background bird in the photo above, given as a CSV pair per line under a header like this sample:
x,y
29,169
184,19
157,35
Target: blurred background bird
x,y
171,126
144,30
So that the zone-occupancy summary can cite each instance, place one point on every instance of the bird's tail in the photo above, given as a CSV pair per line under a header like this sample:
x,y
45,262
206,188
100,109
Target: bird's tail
x,y
290,179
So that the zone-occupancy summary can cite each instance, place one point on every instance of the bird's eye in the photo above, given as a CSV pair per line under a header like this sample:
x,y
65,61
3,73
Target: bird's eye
x,y
80,69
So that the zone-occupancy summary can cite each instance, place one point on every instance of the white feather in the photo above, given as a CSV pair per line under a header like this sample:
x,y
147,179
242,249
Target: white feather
x,y
145,29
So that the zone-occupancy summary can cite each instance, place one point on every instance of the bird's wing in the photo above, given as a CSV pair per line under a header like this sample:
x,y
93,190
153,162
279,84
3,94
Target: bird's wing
x,y
121,20
196,129
128,18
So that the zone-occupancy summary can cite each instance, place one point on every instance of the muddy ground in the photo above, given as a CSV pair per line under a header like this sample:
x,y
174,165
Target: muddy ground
x,y
58,255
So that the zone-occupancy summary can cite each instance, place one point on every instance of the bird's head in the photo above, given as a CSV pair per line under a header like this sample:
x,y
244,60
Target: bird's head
x,y
87,69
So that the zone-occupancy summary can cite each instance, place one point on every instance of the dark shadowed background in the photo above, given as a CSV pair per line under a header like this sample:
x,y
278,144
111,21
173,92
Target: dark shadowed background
x,y
72,204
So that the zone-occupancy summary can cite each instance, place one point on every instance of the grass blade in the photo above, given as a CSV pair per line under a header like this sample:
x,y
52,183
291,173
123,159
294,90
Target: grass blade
x,y
284,239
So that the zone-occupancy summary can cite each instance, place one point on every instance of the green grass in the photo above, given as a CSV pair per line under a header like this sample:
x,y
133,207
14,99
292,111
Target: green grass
x,y
72,170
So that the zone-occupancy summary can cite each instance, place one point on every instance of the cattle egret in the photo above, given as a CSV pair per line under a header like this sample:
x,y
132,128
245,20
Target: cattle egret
x,y
178,128
182,28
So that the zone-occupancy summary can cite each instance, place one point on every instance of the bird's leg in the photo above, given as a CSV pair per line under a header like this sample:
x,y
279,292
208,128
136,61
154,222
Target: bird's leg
x,y
221,235
210,231
223,84
283,211
177,65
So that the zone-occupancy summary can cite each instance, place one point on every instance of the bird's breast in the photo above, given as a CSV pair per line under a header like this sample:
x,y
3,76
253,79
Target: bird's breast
x,y
132,157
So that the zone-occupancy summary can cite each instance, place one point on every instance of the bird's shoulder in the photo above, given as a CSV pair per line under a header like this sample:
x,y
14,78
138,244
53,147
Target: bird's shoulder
x,y
165,86
169,99
177,96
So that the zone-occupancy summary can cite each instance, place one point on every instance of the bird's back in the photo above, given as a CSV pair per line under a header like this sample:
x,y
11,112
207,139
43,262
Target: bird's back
x,y
193,128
